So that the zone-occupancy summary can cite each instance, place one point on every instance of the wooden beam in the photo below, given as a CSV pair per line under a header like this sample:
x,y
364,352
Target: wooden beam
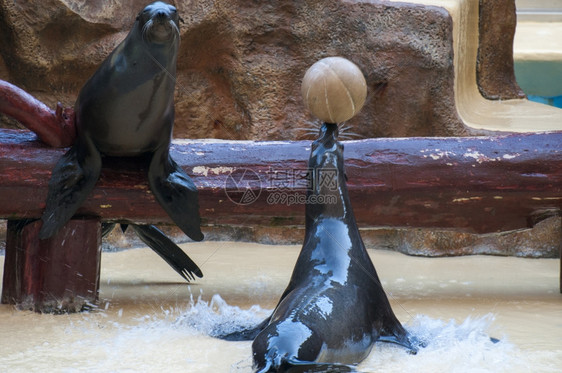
x,y
57,275
476,184
561,259
54,127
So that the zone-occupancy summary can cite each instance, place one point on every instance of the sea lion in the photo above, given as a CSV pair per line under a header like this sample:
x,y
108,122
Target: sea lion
x,y
334,308
126,109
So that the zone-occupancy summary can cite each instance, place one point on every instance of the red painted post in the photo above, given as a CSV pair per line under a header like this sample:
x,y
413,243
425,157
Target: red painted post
x,y
57,275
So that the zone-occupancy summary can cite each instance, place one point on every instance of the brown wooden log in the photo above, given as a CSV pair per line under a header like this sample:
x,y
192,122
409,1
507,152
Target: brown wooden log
x,y
57,275
476,184
54,127
560,240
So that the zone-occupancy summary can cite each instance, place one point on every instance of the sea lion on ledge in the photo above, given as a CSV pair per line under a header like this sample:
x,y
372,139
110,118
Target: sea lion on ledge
x,y
127,109
334,308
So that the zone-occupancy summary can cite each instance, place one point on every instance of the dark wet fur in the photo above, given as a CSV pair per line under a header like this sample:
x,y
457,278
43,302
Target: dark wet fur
x,y
333,269
112,120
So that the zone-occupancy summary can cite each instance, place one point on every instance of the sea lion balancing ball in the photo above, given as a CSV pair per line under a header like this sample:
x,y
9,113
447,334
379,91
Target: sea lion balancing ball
x,y
334,89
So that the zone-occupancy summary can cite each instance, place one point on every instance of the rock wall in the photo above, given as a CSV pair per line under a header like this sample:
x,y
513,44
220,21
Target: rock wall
x,y
541,241
495,72
241,63
239,71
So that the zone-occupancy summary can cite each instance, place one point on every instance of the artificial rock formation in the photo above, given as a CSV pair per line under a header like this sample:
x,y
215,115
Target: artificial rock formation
x,y
240,68
494,68
241,63
541,241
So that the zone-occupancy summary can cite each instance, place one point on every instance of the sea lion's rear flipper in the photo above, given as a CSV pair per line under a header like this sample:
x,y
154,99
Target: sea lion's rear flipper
x,y
72,180
296,366
168,250
176,193
106,228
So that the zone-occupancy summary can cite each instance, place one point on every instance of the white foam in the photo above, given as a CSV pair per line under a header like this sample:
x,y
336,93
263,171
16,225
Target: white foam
x,y
459,348
218,318
179,340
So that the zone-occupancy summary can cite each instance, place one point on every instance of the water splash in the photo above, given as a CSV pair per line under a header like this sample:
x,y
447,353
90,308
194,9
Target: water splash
x,y
464,347
216,317
180,339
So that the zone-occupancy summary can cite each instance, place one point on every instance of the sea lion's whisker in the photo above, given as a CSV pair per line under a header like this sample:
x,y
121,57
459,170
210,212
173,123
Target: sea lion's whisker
x,y
176,32
145,30
309,130
351,136
344,128
346,134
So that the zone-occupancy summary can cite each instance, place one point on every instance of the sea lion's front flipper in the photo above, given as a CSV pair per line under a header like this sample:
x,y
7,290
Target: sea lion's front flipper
x,y
176,193
248,334
168,250
394,332
72,180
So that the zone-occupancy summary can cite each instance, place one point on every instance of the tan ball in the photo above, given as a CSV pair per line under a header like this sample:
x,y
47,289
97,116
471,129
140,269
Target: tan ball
x,y
334,89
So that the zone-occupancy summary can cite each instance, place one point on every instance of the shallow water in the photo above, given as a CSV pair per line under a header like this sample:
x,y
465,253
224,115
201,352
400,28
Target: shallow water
x,y
149,320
